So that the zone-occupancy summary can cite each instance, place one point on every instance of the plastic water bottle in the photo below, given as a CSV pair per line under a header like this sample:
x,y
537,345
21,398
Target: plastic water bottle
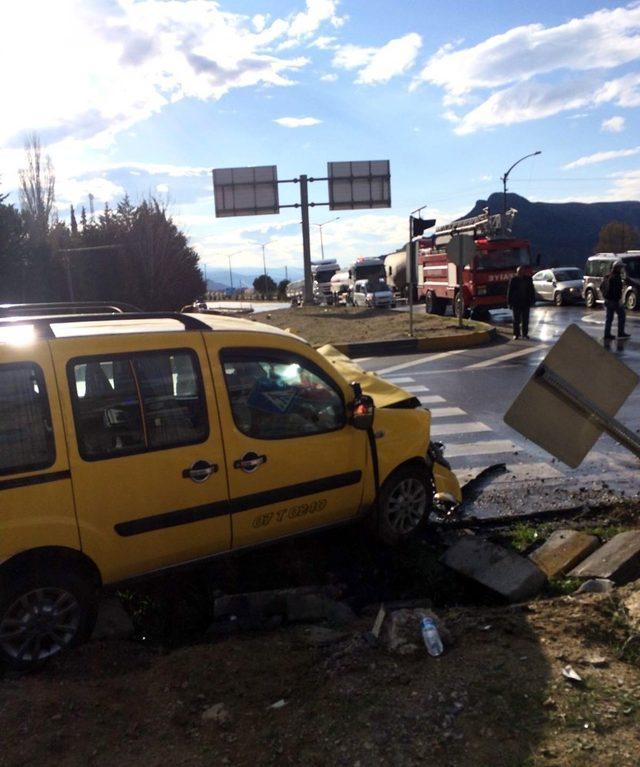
x,y
431,637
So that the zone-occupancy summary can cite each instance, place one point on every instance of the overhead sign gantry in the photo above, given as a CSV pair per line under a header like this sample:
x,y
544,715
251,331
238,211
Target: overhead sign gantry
x,y
253,191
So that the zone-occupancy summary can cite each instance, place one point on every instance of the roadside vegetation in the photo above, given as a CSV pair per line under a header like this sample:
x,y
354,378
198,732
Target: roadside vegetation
x,y
349,324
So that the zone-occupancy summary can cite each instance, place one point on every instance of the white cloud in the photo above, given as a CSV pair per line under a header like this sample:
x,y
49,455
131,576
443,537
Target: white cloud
x,y
118,61
162,188
318,11
297,122
509,63
535,100
613,125
324,43
394,58
604,39
598,157
70,190
329,78
379,65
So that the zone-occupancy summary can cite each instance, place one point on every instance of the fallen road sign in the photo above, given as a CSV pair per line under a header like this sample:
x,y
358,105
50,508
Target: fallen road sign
x,y
572,398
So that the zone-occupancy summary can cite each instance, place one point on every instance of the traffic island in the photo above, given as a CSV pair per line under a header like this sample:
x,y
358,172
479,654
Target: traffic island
x,y
359,331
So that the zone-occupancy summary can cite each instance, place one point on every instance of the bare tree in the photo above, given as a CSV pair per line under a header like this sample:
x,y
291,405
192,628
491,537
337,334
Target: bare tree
x,y
616,237
37,190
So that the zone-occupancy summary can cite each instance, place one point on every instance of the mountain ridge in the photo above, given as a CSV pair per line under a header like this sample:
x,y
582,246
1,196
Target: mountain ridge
x,y
563,233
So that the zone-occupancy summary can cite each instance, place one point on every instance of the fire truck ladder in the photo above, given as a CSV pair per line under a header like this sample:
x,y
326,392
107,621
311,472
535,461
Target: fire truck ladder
x,y
484,225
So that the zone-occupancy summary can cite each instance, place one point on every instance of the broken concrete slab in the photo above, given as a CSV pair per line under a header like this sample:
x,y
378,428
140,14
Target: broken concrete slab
x,y
514,577
563,550
618,560
113,621
258,603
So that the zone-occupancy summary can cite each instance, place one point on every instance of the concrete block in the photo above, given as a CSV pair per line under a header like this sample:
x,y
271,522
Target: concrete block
x,y
562,551
514,577
113,621
618,560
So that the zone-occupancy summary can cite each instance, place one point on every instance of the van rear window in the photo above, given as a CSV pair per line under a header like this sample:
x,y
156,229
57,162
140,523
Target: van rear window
x,y
26,435
126,404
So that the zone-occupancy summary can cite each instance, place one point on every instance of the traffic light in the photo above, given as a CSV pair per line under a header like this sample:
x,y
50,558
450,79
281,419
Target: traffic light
x,y
420,225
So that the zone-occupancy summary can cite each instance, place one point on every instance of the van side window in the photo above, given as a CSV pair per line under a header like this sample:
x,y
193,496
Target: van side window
x,y
26,435
281,396
136,403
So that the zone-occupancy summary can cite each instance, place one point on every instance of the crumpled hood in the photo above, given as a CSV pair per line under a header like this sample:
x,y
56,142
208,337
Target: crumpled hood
x,y
384,394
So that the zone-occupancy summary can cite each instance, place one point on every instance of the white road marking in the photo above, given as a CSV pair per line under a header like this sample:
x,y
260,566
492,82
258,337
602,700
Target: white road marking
x,y
415,389
421,361
399,381
445,412
505,357
361,359
431,399
440,430
480,448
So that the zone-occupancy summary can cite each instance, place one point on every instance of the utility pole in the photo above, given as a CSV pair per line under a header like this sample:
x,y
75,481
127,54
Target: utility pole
x,y
230,272
506,176
264,269
306,240
286,272
324,223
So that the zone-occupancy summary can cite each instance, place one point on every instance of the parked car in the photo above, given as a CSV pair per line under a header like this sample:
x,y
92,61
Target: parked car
x,y
374,293
562,285
599,265
135,442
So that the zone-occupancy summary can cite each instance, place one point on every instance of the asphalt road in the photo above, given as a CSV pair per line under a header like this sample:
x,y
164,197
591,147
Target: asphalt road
x,y
468,392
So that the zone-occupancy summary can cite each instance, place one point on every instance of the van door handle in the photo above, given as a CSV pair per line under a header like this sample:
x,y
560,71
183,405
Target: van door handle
x,y
249,462
200,471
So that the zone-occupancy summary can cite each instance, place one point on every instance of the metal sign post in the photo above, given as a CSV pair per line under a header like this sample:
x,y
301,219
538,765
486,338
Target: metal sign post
x,y
417,227
573,397
253,191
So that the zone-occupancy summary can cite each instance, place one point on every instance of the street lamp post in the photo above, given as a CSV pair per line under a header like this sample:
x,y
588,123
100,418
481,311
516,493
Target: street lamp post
x,y
324,223
506,176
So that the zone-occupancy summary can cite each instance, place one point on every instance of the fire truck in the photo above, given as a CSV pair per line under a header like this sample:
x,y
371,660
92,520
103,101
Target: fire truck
x,y
484,281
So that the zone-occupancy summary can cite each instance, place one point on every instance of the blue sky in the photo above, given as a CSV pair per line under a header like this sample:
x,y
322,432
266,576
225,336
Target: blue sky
x,y
146,96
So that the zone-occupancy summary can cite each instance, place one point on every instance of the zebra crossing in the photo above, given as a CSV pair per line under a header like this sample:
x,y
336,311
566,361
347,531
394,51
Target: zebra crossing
x,y
472,445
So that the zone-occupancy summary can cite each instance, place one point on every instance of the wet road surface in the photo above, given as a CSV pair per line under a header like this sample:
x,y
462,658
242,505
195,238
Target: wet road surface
x,y
468,391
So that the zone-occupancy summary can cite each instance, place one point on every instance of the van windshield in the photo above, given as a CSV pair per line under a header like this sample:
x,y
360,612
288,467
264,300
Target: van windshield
x,y
505,258
632,267
377,286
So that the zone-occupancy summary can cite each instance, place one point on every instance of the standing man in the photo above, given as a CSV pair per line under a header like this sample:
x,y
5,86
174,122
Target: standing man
x,y
521,296
612,286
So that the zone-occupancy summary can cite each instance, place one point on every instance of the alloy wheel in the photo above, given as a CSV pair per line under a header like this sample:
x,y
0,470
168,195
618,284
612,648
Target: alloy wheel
x,y
39,624
406,505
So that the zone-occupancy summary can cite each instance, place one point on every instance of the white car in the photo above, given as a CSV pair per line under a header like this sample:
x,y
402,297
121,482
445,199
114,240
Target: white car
x,y
374,293
562,285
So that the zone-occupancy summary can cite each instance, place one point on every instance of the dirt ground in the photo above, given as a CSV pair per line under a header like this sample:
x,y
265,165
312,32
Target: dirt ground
x,y
496,698
348,324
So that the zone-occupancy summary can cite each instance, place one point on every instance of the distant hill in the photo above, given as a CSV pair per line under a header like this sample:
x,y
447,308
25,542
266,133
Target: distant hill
x,y
563,233
245,277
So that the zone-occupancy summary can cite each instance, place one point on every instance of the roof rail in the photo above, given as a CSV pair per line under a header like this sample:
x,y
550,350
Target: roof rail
x,y
65,307
42,325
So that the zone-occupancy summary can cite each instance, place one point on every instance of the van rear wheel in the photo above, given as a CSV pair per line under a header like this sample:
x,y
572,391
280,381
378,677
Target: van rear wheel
x,y
404,504
43,614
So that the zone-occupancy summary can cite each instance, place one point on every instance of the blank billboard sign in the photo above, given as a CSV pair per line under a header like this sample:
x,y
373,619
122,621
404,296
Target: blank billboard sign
x,y
354,185
246,191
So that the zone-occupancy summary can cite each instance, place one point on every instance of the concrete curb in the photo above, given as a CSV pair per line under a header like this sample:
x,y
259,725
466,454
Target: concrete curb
x,y
415,345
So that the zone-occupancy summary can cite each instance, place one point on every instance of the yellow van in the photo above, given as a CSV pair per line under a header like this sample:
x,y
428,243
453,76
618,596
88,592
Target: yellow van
x,y
132,442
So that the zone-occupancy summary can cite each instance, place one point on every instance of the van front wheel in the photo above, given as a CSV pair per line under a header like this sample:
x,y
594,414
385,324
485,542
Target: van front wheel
x,y
43,614
404,504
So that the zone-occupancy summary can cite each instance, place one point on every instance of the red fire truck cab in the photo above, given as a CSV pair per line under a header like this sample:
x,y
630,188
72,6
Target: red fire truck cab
x,y
483,282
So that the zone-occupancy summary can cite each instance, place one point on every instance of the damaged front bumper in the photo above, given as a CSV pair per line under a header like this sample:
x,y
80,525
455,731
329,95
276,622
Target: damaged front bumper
x,y
448,494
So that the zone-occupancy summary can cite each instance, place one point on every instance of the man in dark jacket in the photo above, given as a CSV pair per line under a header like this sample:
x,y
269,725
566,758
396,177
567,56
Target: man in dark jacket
x,y
521,296
612,286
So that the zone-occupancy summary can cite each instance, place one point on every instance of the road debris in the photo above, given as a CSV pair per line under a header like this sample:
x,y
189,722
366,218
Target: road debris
x,y
568,672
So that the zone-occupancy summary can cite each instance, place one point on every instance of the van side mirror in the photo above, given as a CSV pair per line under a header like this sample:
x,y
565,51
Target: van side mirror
x,y
363,409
